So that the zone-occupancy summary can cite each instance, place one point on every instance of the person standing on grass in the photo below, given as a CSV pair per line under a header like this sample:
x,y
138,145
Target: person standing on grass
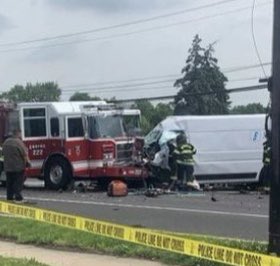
x,y
15,161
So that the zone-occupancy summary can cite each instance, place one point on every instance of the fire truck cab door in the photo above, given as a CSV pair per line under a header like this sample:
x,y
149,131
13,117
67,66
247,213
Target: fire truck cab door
x,y
76,145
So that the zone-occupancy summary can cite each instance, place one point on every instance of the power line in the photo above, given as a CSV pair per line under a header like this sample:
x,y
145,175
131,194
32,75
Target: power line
x,y
127,33
135,22
254,39
134,88
234,90
119,81
131,88
249,88
84,85
236,69
101,86
89,87
112,86
244,79
128,85
125,89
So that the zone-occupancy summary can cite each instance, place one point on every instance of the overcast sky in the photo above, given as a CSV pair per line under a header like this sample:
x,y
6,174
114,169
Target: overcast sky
x,y
148,54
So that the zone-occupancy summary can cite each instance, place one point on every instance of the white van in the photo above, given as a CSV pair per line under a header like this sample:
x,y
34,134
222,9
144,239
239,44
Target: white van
x,y
229,147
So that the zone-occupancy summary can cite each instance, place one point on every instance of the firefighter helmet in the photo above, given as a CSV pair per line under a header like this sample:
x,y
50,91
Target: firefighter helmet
x,y
181,138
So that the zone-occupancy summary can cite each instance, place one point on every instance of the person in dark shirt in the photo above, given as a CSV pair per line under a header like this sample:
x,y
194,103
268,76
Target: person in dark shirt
x,y
15,160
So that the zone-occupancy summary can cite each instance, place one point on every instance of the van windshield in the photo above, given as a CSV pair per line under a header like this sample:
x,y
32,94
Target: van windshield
x,y
110,126
167,135
153,136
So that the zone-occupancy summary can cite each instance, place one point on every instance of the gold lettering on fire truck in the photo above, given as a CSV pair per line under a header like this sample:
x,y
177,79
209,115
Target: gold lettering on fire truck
x,y
37,149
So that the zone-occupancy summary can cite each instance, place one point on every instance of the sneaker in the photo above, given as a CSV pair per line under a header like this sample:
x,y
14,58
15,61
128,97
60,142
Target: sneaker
x,y
20,201
194,185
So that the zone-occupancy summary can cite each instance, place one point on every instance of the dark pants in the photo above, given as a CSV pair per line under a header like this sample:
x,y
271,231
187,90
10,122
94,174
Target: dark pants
x,y
185,173
14,184
266,176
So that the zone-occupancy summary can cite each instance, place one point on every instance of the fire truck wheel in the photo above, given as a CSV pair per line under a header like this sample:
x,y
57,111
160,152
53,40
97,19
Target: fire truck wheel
x,y
57,173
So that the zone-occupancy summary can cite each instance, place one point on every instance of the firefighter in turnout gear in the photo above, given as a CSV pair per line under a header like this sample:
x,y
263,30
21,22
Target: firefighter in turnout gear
x,y
183,155
266,163
266,153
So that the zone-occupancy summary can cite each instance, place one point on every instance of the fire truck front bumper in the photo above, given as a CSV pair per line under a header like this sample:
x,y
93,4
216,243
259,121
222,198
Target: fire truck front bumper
x,y
121,172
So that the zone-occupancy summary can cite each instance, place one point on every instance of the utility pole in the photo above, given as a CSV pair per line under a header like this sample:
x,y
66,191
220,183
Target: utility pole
x,y
274,208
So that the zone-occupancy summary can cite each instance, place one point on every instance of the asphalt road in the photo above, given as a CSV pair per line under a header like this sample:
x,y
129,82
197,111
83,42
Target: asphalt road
x,y
232,215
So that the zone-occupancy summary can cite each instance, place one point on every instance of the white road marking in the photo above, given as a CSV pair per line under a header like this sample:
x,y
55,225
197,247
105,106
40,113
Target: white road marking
x,y
108,204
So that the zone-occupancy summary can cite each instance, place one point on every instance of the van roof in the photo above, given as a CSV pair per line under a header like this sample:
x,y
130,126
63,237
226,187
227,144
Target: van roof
x,y
213,122
214,117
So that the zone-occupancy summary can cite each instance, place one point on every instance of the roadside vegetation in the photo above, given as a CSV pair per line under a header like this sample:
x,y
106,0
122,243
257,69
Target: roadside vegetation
x,y
19,262
41,234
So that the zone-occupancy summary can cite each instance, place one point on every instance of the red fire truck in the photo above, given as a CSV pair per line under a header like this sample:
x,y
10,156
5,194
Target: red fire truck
x,y
81,140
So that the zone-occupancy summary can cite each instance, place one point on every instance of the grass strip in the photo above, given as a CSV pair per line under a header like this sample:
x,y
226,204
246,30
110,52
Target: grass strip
x,y
249,245
26,231
19,262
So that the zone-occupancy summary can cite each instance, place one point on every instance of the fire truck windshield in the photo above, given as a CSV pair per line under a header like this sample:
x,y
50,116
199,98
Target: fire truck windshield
x,y
131,122
110,126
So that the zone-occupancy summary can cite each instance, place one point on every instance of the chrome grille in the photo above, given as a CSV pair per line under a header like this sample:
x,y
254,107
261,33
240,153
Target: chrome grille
x,y
124,151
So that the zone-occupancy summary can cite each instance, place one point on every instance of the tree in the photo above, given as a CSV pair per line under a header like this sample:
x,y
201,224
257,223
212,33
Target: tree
x,y
161,111
145,125
83,96
150,115
252,108
147,110
40,92
80,96
202,87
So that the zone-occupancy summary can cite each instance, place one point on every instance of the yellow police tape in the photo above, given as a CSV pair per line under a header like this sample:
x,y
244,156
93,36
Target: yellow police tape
x,y
147,237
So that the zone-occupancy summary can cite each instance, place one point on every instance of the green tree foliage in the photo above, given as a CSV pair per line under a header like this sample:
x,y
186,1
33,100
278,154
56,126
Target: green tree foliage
x,y
83,96
161,111
111,100
40,92
202,87
152,115
147,110
252,108
80,96
145,125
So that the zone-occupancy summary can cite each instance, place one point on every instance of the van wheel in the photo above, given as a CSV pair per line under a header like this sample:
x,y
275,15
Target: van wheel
x,y
57,173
